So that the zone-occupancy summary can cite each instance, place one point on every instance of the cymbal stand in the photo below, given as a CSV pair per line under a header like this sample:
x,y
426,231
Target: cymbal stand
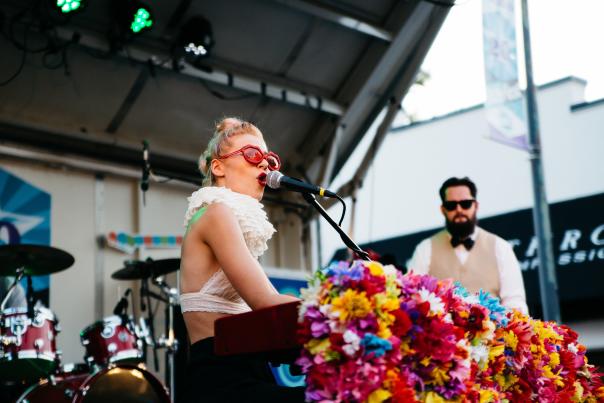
x,y
145,293
168,340
20,272
30,298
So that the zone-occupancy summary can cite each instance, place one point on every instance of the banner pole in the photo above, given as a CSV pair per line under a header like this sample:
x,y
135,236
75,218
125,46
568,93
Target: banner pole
x,y
548,284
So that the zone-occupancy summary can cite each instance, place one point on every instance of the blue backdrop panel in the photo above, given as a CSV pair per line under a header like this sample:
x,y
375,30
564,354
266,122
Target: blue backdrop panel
x,y
291,287
24,219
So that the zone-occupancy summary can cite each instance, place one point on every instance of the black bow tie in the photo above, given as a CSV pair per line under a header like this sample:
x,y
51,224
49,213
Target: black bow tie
x,y
468,242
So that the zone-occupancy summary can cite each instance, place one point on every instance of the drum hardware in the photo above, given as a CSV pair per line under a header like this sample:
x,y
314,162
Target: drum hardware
x,y
19,272
145,270
168,340
28,334
31,260
146,294
155,270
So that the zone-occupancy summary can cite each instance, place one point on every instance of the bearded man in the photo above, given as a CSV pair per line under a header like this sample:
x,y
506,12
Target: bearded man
x,y
466,253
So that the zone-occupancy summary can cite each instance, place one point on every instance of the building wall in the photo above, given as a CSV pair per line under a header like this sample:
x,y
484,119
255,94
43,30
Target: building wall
x,y
400,193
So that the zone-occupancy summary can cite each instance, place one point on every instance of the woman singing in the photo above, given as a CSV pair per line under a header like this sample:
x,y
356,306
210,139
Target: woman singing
x,y
227,230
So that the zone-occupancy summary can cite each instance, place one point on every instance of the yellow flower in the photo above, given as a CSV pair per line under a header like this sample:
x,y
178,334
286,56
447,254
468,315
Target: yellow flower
x,y
392,287
391,304
511,340
487,396
433,397
496,351
440,376
500,379
545,332
378,395
376,269
351,304
547,372
578,396
316,346
383,331
406,347
554,359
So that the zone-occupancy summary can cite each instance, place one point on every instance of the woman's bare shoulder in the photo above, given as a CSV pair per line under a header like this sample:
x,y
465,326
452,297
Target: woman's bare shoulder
x,y
218,216
218,211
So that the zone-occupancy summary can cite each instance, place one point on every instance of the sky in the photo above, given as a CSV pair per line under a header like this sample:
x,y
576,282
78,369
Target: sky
x,y
566,38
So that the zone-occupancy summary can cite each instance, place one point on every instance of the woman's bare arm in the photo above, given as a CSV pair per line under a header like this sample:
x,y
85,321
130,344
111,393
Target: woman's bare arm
x,y
220,230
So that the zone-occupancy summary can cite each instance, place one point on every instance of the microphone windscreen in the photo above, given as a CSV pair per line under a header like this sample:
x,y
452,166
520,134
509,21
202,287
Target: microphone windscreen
x,y
273,179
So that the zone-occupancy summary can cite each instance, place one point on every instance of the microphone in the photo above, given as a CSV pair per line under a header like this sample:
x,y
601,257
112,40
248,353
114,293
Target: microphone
x,y
276,180
146,167
122,306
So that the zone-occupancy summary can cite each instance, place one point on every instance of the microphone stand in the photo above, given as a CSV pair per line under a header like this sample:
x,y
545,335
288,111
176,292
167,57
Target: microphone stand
x,y
146,171
345,238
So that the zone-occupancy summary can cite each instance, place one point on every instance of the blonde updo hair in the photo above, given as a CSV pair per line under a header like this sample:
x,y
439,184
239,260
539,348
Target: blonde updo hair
x,y
224,130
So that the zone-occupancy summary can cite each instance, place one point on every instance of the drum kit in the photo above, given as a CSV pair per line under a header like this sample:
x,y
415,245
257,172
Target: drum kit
x,y
115,347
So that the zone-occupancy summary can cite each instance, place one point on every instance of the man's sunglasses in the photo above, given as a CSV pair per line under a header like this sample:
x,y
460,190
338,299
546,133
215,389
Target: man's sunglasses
x,y
254,155
452,205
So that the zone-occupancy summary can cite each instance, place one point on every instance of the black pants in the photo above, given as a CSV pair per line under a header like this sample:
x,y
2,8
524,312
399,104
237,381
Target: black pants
x,y
239,378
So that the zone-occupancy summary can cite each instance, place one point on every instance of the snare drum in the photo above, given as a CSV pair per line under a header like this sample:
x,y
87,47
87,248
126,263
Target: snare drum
x,y
121,383
28,345
111,340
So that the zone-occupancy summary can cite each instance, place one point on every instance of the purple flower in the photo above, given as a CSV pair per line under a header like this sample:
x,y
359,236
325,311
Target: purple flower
x,y
318,329
341,272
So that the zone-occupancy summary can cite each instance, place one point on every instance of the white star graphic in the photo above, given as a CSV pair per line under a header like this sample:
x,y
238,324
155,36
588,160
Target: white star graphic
x,y
23,223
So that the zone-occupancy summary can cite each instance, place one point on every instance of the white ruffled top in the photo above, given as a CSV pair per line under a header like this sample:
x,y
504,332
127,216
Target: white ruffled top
x,y
218,294
250,214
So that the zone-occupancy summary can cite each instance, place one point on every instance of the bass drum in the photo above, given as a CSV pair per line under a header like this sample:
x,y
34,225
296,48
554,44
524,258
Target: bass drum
x,y
116,384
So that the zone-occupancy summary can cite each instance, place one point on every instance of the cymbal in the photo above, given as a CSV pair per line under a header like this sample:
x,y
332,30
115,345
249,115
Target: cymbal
x,y
38,260
142,269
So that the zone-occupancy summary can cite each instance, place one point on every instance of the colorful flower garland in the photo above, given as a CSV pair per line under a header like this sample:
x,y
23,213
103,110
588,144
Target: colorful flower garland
x,y
371,334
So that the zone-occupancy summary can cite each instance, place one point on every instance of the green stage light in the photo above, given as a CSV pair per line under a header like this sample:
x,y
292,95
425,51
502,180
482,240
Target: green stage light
x,y
130,19
68,6
141,20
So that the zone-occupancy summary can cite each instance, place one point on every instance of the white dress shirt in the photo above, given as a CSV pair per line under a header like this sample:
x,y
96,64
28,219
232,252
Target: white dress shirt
x,y
511,285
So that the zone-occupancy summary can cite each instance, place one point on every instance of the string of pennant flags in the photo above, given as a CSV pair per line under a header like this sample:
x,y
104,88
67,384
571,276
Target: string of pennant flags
x,y
129,243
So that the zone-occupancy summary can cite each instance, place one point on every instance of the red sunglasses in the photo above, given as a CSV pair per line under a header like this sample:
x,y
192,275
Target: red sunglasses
x,y
254,155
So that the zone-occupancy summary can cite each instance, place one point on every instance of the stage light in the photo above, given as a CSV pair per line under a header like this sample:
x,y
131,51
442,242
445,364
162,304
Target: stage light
x,y
195,40
68,6
141,20
132,17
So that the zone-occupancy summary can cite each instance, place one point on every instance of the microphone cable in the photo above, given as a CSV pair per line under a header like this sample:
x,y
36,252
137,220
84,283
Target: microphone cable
x,y
343,209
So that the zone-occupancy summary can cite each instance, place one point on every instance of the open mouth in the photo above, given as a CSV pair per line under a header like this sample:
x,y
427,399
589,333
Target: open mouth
x,y
262,179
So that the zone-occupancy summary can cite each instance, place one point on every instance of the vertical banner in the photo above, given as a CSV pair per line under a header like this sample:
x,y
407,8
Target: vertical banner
x,y
505,106
25,219
289,286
